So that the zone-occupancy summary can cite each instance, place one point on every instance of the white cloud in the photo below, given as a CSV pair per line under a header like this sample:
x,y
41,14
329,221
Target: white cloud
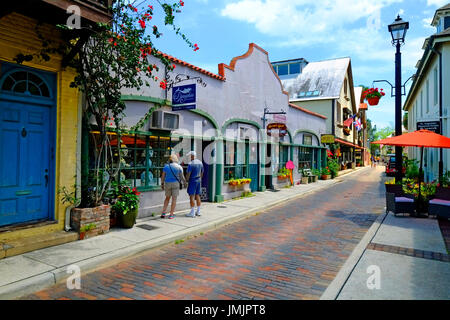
x,y
303,18
299,23
438,3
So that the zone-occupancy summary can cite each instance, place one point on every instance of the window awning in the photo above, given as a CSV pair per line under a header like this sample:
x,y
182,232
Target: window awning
x,y
348,143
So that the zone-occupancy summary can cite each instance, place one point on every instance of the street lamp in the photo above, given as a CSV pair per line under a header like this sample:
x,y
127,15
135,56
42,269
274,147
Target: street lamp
x,y
398,31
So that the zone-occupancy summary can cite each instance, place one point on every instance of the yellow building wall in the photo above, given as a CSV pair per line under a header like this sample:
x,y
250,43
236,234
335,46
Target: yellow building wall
x,y
18,35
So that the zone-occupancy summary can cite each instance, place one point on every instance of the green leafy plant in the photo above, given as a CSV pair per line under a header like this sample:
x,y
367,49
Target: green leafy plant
x,y
68,196
333,165
427,190
88,227
325,171
412,170
316,172
127,199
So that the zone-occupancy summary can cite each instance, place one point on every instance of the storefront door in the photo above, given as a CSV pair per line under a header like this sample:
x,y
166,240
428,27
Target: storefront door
x,y
25,147
207,174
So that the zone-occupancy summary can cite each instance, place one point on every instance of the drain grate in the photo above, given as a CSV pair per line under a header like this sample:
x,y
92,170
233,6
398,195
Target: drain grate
x,y
223,207
147,227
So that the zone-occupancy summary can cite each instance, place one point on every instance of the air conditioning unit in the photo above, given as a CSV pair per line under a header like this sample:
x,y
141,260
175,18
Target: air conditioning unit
x,y
163,120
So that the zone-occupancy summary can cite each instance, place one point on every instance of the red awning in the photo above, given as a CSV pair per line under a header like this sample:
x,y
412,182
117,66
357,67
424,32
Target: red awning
x,y
348,143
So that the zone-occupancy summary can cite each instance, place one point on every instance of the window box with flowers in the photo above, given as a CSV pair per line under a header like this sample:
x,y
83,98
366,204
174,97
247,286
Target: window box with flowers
x,y
373,95
283,174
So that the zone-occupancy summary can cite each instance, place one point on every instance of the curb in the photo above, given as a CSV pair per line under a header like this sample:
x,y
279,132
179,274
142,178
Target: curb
x,y
334,289
45,280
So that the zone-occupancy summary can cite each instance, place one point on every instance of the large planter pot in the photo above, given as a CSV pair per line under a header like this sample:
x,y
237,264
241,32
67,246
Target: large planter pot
x,y
305,180
314,178
325,176
373,101
128,220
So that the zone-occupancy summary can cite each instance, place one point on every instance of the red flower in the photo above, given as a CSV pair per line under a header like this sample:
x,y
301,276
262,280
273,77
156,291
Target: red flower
x,y
142,23
163,85
181,3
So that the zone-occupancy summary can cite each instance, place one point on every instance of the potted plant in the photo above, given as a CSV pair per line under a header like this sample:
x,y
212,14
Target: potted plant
x,y
333,165
325,173
316,174
126,205
372,95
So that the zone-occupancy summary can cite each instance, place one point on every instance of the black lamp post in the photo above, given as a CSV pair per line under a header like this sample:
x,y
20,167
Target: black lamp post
x,y
398,31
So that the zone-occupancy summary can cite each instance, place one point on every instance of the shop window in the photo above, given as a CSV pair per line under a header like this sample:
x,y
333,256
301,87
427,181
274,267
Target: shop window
x,y
143,158
284,156
307,140
236,160
305,158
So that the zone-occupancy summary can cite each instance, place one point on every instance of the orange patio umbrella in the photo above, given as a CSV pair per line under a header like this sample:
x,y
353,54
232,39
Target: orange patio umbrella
x,y
419,138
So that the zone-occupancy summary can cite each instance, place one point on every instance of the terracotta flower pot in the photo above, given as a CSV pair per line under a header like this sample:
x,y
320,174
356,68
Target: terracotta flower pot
x,y
82,235
326,176
373,101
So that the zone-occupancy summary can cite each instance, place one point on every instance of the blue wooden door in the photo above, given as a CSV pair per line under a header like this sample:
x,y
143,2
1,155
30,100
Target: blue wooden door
x,y
24,162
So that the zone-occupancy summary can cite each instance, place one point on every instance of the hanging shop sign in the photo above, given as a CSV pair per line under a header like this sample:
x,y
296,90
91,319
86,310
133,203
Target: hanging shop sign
x,y
274,127
184,97
434,126
327,139
279,118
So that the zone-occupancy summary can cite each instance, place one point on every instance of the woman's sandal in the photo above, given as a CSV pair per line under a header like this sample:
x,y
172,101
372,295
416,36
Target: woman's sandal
x,y
171,216
163,215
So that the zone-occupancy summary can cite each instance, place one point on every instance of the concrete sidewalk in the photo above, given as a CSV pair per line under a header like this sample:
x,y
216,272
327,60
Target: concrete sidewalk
x,y
400,258
33,271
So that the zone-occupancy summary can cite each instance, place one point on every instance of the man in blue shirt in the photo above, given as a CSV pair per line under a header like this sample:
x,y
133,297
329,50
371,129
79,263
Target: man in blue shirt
x,y
194,176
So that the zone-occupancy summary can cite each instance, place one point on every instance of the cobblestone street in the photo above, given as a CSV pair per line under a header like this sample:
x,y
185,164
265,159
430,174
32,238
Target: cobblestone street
x,y
291,251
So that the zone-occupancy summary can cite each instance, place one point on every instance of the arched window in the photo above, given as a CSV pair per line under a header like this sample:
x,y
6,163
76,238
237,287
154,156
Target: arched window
x,y
27,83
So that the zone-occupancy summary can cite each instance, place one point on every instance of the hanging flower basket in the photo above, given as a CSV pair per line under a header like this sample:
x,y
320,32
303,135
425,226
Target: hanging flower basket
x,y
373,101
373,95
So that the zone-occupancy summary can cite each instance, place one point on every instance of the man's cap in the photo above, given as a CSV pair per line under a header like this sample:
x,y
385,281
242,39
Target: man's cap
x,y
192,153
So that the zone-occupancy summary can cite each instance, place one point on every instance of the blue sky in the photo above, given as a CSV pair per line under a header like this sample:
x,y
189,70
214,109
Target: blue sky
x,y
314,30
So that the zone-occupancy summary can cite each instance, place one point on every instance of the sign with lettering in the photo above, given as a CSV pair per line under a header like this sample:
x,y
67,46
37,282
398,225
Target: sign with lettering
x,y
280,127
327,139
434,126
183,97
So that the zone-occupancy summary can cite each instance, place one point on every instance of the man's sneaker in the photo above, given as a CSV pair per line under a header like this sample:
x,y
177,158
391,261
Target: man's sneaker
x,y
191,214
198,214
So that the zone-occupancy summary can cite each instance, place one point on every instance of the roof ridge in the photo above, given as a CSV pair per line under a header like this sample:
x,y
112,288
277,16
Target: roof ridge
x,y
191,66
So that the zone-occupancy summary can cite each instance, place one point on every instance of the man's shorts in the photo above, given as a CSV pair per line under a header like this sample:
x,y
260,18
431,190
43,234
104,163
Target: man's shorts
x,y
172,189
194,187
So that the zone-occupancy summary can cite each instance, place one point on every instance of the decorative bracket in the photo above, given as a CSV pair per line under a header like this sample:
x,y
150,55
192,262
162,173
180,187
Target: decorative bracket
x,y
181,78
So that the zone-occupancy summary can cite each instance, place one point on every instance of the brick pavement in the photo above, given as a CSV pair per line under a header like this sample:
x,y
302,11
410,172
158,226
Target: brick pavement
x,y
292,251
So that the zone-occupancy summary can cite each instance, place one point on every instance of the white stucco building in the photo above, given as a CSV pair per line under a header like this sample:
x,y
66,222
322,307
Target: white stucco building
x,y
225,129
428,101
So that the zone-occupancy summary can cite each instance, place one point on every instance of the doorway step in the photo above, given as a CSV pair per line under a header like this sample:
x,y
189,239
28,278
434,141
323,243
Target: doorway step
x,y
9,248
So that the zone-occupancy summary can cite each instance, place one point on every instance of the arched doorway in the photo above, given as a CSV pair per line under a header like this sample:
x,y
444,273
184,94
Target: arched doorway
x,y
27,104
